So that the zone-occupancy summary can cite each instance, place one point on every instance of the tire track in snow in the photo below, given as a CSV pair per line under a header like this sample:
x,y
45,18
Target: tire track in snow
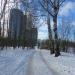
x,y
29,66
21,67
47,64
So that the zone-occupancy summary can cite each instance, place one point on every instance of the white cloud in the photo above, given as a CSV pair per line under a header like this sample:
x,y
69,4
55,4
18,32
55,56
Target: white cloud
x,y
42,35
67,8
42,32
43,28
73,23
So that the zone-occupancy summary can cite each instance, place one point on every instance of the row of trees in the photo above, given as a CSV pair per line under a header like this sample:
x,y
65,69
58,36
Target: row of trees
x,y
7,41
52,7
64,45
2,14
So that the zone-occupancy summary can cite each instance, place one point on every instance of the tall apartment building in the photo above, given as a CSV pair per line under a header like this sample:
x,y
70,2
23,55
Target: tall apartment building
x,y
34,34
15,23
20,26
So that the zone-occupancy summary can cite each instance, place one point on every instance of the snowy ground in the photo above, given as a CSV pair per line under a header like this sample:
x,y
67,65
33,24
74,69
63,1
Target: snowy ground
x,y
35,62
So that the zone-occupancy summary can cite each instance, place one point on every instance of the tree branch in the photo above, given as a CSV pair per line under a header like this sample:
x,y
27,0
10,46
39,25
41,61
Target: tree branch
x,y
51,3
62,2
2,13
46,9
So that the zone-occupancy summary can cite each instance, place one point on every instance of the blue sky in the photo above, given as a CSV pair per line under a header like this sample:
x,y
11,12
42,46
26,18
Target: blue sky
x,y
67,12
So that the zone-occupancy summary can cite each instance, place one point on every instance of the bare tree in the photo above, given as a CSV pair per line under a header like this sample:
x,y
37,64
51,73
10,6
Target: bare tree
x,y
66,32
49,31
2,13
50,34
53,9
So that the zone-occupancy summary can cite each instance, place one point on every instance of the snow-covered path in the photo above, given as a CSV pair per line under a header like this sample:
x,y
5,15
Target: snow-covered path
x,y
35,62
20,62
38,66
15,62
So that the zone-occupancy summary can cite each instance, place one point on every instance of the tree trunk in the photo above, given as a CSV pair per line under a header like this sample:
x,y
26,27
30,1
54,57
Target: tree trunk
x,y
56,45
0,29
3,31
3,25
50,35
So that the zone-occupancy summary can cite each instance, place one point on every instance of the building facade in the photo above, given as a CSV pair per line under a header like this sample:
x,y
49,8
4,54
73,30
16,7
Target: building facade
x,y
20,27
34,34
15,23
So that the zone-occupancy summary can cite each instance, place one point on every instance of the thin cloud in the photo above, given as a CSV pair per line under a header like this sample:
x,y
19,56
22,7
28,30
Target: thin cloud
x,y
42,35
67,8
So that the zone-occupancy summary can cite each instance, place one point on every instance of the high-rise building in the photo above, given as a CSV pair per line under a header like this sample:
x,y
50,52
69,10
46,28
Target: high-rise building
x,y
20,27
29,21
34,34
15,23
23,26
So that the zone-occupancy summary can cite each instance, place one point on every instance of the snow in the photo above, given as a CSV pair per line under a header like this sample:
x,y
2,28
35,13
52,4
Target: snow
x,y
35,62
64,64
13,62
